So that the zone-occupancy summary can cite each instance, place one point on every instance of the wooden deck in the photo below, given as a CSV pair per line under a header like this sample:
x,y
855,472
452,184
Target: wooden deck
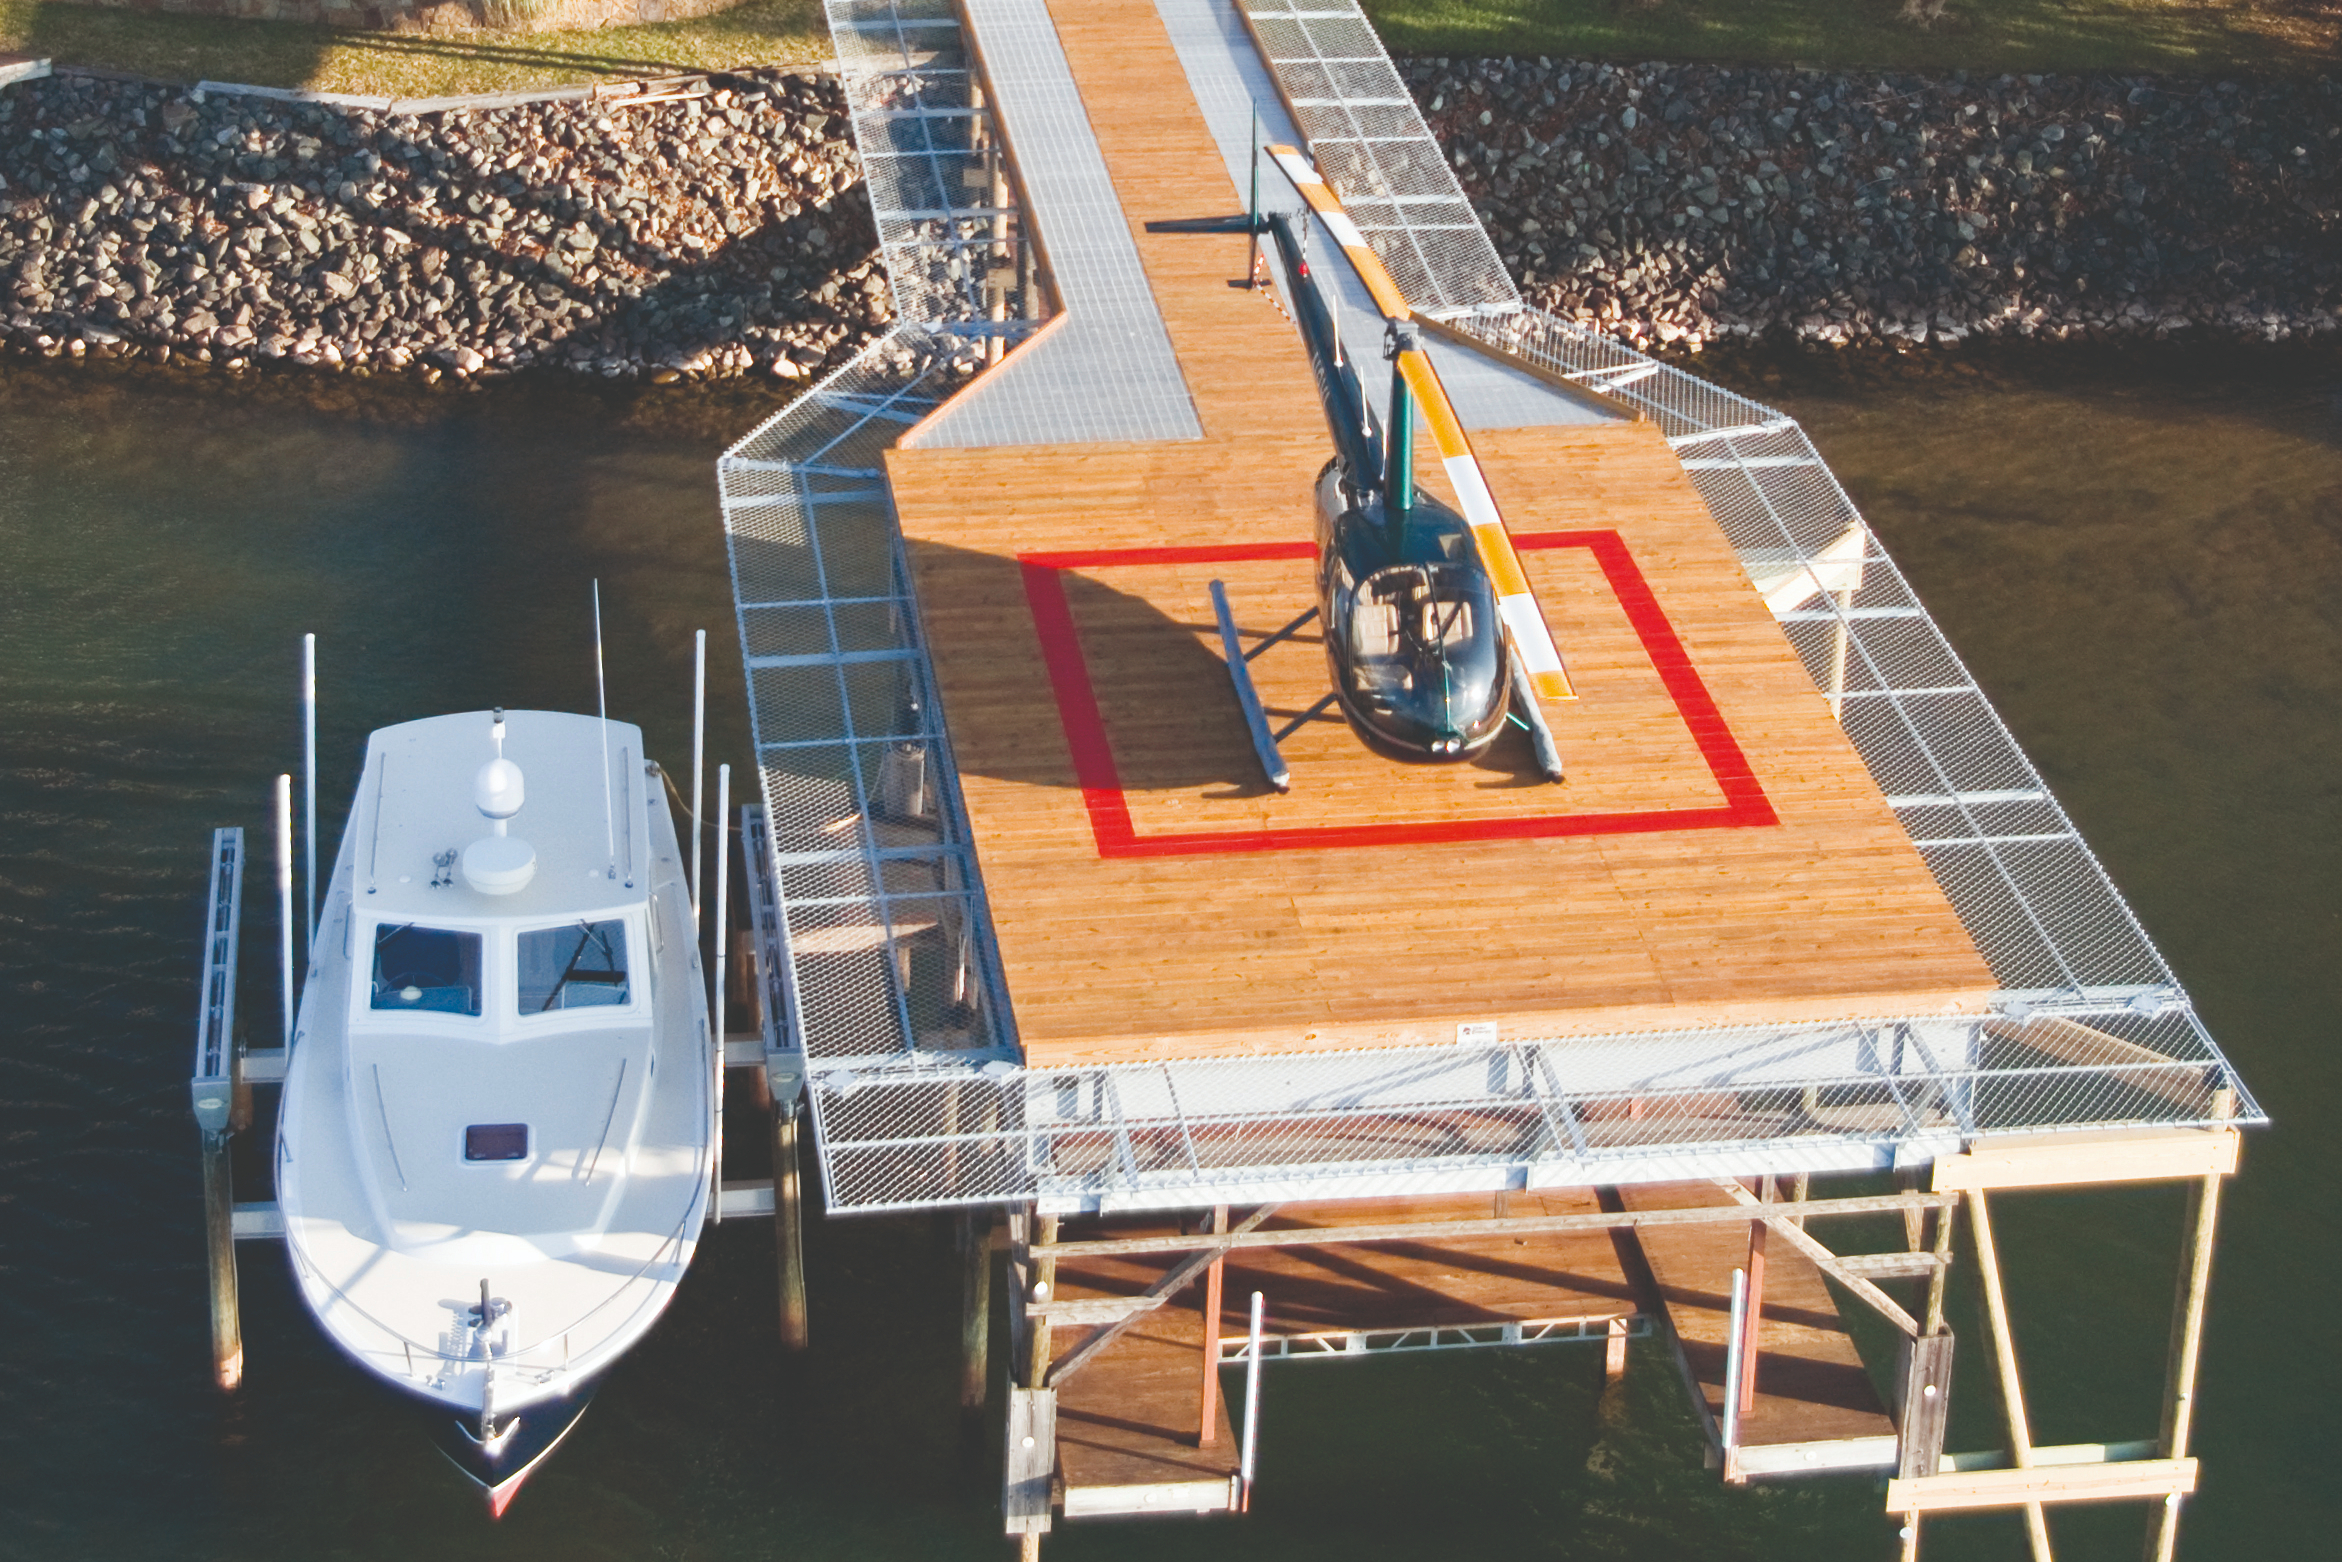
x,y
1718,853
1130,1418
1816,1405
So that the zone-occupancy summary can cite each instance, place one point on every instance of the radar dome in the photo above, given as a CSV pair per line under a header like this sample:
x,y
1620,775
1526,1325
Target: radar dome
x,y
498,789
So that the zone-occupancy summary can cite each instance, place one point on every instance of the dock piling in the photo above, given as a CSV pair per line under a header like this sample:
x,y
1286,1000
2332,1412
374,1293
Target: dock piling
x,y
789,1217
1923,1399
219,1241
975,1251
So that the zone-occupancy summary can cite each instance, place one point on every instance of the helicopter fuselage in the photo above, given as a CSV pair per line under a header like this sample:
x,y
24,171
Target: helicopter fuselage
x,y
1413,642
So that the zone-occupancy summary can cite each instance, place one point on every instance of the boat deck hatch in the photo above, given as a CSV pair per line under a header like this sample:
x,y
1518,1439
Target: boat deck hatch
x,y
496,1142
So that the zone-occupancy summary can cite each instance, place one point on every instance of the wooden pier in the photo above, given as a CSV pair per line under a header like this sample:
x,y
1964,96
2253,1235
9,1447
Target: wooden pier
x,y
1153,918
1719,851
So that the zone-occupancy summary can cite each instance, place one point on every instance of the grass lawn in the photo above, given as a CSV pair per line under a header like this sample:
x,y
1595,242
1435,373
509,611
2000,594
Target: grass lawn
x,y
2178,37
2206,37
283,54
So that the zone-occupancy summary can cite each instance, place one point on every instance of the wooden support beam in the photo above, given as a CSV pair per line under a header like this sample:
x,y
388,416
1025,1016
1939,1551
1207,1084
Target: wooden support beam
x,y
1751,1322
975,1254
1943,1267
1017,1231
1030,1470
1533,1225
1208,1413
1923,1400
2187,1344
2012,1392
2035,1486
2073,1159
2185,1085
1044,1287
1826,1261
1614,1351
1156,1295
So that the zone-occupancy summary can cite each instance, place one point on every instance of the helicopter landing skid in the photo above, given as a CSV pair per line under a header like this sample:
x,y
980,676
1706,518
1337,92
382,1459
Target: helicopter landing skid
x,y
1256,719
1532,716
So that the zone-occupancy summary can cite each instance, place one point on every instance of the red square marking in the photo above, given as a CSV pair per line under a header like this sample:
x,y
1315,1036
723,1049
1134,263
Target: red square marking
x,y
1102,792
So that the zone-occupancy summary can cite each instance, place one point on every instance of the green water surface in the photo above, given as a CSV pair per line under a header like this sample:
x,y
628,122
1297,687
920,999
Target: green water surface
x,y
2141,560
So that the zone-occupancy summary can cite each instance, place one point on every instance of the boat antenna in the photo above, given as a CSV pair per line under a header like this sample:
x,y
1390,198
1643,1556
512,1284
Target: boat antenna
x,y
602,707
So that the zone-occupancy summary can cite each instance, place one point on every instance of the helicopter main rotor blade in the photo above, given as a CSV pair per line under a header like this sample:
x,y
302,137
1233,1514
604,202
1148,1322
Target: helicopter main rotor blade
x,y
1321,200
1515,602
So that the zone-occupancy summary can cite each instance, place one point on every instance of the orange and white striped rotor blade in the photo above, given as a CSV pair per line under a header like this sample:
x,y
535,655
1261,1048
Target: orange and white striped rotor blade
x,y
1516,604
1328,207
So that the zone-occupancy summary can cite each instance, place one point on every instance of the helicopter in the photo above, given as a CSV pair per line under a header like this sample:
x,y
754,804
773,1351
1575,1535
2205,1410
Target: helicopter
x,y
1433,637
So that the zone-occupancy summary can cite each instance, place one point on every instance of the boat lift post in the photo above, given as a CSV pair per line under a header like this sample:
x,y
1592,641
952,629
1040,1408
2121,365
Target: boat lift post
x,y
716,1001
284,900
699,778
309,788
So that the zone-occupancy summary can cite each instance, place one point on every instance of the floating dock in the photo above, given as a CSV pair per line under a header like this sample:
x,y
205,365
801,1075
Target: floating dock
x,y
1419,1057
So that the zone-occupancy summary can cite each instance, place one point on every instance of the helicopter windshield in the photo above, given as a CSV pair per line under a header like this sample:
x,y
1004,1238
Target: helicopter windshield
x,y
1423,645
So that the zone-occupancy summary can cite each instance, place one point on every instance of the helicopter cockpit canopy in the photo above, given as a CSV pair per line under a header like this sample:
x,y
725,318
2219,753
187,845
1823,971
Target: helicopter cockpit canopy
x,y
1422,661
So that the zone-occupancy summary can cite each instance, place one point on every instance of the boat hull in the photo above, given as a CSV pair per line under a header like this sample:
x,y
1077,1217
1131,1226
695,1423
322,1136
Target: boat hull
x,y
524,1440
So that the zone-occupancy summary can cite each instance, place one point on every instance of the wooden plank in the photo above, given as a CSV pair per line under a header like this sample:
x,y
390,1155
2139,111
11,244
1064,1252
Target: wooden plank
x,y
1099,1502
1923,1396
2077,1160
2041,1484
1031,1464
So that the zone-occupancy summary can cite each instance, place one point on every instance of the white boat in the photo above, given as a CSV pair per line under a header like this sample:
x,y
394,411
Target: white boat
x,y
498,1130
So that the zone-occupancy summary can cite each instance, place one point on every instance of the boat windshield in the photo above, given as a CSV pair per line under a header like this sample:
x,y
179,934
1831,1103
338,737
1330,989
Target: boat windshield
x,y
430,969
581,965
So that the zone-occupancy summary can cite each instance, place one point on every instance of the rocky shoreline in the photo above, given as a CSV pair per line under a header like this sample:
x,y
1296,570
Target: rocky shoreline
x,y
1677,205
718,229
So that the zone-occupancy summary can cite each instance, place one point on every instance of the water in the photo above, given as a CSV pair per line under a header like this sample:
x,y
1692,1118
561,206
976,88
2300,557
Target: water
x,y
2141,560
